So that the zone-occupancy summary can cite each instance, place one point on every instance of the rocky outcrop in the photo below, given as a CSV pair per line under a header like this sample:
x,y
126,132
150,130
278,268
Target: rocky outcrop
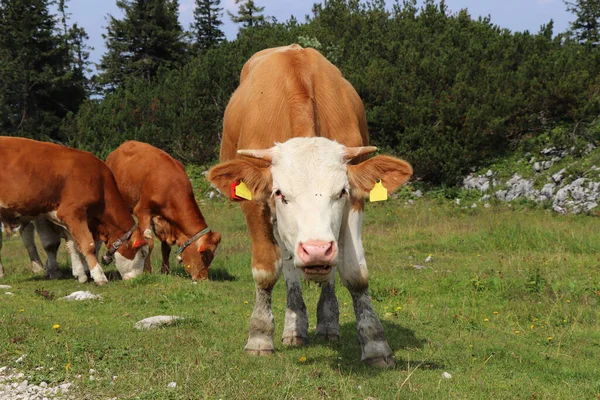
x,y
568,194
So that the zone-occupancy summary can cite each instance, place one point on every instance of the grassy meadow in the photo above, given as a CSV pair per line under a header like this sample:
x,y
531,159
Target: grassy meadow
x,y
508,307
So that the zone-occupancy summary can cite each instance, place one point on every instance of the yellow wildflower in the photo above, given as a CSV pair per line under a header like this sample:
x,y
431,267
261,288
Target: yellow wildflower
x,y
68,367
550,338
398,308
486,320
302,359
22,310
246,302
495,312
517,332
531,326
55,326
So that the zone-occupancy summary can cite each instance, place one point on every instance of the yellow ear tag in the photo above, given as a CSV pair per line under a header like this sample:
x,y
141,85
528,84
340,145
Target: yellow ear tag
x,y
379,193
242,191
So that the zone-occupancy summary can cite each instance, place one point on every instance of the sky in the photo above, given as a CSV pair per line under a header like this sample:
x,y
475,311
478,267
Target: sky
x,y
516,15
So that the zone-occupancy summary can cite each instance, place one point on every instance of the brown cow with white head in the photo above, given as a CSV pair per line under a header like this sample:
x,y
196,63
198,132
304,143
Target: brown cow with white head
x,y
295,134
77,191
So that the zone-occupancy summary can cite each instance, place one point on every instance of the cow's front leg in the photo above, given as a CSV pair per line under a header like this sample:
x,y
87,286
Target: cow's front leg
x,y
27,236
144,217
355,276
1,266
295,330
266,267
165,250
50,237
82,237
328,312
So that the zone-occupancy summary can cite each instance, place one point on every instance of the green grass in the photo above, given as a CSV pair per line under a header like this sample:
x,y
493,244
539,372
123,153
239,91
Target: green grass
x,y
508,306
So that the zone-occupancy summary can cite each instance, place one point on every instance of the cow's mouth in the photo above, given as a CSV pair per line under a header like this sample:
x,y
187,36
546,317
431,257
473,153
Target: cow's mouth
x,y
317,269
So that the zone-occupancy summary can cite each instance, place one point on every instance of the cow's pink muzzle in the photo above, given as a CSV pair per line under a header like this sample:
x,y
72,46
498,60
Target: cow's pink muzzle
x,y
316,252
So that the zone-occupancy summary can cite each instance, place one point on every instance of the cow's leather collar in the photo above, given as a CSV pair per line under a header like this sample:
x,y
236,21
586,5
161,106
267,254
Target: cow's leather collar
x,y
108,257
192,240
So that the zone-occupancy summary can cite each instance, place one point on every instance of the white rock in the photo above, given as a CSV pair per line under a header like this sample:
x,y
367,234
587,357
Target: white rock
x,y
20,359
446,375
157,321
418,193
429,258
82,295
5,287
9,293
172,385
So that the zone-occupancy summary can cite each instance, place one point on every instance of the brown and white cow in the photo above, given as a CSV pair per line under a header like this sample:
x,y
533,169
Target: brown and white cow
x,y
75,190
294,133
158,191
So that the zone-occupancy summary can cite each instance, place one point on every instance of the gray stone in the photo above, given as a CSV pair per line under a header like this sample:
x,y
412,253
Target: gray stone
x,y
156,322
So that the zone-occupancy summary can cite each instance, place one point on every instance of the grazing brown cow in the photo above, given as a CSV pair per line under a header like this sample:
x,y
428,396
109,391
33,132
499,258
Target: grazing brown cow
x,y
158,191
75,190
308,191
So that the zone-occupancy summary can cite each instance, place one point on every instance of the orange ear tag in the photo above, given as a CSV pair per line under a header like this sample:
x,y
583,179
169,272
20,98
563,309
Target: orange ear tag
x,y
242,191
378,193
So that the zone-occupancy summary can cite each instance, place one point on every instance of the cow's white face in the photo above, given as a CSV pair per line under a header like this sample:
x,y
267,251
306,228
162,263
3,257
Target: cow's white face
x,y
310,181
310,187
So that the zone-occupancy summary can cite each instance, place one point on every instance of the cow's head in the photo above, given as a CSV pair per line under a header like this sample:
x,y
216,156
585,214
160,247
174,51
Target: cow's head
x,y
130,257
310,182
198,255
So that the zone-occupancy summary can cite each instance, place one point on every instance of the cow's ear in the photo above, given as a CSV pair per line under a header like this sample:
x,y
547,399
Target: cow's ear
x,y
258,179
392,172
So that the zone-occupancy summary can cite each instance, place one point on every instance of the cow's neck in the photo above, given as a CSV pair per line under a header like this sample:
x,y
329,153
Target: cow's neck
x,y
116,219
188,222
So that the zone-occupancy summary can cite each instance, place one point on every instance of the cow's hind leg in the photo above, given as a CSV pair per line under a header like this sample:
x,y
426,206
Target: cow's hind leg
x,y
354,275
328,313
27,232
50,237
266,267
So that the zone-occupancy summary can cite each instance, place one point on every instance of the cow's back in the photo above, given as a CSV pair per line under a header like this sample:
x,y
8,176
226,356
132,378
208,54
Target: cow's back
x,y
141,168
38,175
291,92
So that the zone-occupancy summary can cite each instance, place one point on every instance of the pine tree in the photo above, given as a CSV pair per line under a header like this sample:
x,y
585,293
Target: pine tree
x,y
147,38
249,14
38,87
207,19
586,26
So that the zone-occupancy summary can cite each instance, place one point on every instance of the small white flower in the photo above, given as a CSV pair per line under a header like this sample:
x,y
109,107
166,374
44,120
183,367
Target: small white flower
x,y
446,375
172,385
429,258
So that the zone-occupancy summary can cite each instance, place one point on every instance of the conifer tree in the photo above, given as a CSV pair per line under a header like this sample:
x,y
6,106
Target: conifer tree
x,y
249,14
586,26
207,20
38,86
147,38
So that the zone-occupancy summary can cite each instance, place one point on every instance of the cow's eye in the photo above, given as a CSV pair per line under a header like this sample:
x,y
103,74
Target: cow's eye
x,y
280,196
343,193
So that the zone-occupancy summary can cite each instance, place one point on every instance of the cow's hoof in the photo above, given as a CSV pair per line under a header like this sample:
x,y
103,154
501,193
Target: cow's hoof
x,y
101,282
381,362
330,337
37,268
260,346
54,275
260,352
82,278
294,341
